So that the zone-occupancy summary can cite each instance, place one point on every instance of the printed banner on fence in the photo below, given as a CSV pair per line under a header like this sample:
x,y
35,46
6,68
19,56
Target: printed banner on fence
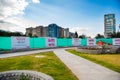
x,y
116,41
91,42
51,42
76,42
20,42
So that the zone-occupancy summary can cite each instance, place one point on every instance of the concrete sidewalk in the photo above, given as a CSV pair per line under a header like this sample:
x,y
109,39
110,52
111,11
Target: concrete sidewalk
x,y
84,69
22,53
6,55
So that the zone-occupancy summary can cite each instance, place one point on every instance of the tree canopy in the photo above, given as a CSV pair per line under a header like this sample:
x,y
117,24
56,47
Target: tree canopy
x,y
115,35
99,36
8,33
76,35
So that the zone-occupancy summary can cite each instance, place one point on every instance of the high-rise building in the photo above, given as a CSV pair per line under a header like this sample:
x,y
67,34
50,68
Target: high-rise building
x,y
109,24
35,31
61,32
39,31
66,32
53,30
71,35
29,31
44,32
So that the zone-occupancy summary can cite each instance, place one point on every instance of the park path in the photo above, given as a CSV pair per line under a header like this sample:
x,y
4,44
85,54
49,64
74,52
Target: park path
x,y
84,69
6,55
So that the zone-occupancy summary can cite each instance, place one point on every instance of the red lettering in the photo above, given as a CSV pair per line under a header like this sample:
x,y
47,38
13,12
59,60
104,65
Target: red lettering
x,y
90,43
117,40
48,40
51,40
51,44
20,38
91,40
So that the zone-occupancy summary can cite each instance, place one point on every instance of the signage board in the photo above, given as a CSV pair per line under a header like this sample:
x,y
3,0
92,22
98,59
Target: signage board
x,y
51,42
116,41
91,42
20,42
76,42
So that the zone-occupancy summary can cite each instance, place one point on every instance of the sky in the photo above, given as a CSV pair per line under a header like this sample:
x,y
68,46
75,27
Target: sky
x,y
84,16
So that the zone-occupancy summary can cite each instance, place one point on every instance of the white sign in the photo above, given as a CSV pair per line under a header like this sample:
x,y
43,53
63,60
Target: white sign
x,y
51,42
116,41
91,42
20,42
76,42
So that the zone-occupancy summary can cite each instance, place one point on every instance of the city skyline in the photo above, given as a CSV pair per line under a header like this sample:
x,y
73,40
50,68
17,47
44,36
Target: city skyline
x,y
84,16
52,30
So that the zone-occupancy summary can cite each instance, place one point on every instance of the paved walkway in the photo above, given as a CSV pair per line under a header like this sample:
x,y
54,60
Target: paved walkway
x,y
84,69
6,55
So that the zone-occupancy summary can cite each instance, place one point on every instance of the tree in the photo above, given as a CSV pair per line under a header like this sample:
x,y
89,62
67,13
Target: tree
x,y
99,36
76,35
118,35
115,35
29,35
82,36
8,33
34,36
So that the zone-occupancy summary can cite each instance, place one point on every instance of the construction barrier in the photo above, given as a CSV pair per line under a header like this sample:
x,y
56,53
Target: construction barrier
x,y
9,43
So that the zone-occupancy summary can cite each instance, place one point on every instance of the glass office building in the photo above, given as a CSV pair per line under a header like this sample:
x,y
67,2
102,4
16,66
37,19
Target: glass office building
x,y
109,24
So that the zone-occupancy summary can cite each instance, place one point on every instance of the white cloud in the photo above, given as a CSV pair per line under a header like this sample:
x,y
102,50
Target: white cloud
x,y
79,30
88,31
11,12
8,10
36,1
12,7
16,24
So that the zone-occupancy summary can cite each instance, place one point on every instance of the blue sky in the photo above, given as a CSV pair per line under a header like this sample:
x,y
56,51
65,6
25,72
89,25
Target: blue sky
x,y
88,15
84,16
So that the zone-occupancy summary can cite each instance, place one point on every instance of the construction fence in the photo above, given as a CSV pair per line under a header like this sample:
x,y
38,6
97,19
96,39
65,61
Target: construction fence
x,y
9,43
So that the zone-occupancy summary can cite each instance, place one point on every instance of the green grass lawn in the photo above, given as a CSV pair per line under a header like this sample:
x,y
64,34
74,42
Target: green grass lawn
x,y
48,64
111,61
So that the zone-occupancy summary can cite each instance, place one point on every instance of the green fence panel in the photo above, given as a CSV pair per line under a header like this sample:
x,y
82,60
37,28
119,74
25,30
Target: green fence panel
x,y
69,42
31,42
5,43
37,43
106,40
62,42
84,42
